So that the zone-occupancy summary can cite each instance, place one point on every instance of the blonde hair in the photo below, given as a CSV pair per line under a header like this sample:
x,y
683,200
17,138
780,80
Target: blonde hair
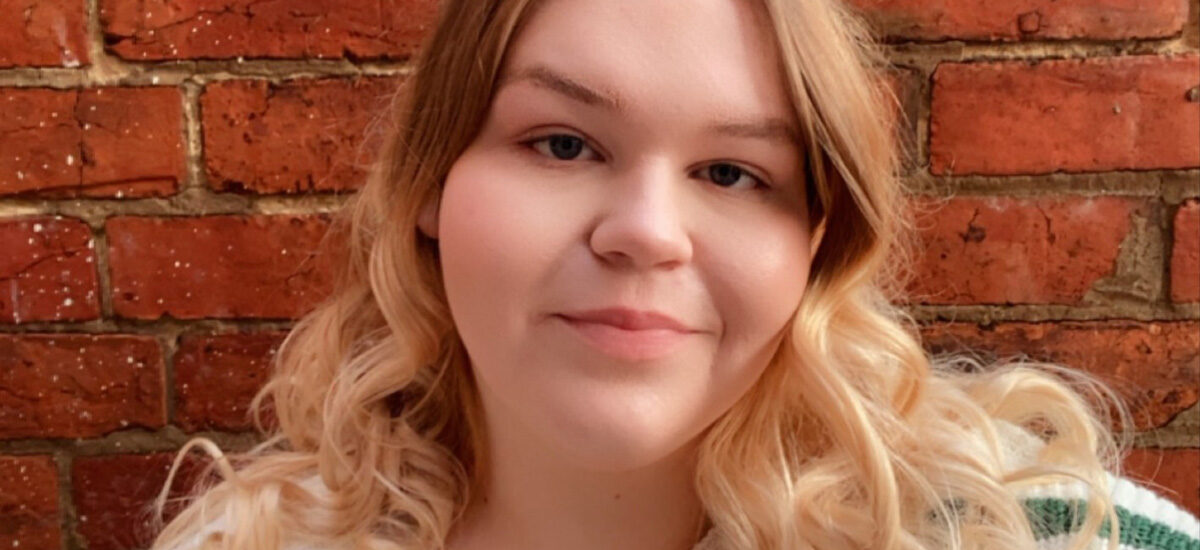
x,y
853,437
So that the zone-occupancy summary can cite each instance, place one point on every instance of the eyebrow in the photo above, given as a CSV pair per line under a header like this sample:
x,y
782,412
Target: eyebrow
x,y
772,129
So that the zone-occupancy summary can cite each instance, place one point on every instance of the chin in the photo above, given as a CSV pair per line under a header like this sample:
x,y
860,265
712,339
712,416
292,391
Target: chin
x,y
626,442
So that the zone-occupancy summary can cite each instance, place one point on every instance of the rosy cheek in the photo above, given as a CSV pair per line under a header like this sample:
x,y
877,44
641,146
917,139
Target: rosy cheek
x,y
496,230
475,223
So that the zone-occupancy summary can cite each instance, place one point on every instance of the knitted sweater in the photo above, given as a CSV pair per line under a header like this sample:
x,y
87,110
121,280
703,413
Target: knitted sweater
x,y
1147,520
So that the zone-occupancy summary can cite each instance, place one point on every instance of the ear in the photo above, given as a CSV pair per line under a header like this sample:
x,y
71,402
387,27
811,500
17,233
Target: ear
x,y
427,220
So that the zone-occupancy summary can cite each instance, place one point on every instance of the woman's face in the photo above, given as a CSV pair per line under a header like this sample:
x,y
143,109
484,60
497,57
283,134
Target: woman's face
x,y
638,155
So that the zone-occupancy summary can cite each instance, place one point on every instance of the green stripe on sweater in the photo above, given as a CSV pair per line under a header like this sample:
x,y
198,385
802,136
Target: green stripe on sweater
x,y
1051,517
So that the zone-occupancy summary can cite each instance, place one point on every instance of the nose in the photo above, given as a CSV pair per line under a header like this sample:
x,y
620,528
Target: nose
x,y
642,224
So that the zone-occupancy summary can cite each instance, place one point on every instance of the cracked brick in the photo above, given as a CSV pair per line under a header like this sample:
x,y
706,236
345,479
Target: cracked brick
x,y
39,140
292,137
1045,250
79,385
1011,20
95,142
225,29
217,266
43,33
47,271
132,141
1091,115
1152,366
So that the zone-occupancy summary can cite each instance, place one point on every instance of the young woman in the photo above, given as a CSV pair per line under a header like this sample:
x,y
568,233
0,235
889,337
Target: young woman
x,y
619,282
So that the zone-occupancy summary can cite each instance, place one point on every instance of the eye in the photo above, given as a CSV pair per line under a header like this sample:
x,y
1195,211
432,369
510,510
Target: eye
x,y
561,146
729,175
567,147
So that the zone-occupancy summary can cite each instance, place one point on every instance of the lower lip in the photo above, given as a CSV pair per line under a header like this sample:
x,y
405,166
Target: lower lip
x,y
627,345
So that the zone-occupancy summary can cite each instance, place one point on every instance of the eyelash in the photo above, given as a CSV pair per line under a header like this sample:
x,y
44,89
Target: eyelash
x,y
759,184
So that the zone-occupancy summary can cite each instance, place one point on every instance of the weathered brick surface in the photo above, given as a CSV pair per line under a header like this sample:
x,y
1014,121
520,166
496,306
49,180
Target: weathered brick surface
x,y
97,142
223,29
1010,20
269,117
47,270
997,250
42,33
297,136
41,138
1015,117
113,493
77,385
217,266
216,376
1154,366
1172,473
29,502
1185,254
132,140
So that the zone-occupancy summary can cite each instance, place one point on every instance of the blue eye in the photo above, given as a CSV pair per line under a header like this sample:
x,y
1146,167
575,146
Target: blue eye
x,y
568,147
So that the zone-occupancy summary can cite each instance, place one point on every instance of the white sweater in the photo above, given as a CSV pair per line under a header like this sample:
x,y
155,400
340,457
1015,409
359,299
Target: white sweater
x,y
1148,521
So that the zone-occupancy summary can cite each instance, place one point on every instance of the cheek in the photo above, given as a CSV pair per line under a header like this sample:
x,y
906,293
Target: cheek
x,y
757,283
756,286
496,243
478,242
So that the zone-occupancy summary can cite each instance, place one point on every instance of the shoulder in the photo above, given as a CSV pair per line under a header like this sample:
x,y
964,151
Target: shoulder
x,y
1147,520
221,525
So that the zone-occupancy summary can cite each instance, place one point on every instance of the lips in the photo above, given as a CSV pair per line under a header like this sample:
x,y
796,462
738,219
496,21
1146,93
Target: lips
x,y
629,319
629,335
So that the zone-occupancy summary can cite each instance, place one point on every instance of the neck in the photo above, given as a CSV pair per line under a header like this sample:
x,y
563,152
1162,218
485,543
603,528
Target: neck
x,y
534,499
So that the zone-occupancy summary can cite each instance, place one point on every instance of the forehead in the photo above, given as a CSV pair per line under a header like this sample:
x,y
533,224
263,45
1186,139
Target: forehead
x,y
659,56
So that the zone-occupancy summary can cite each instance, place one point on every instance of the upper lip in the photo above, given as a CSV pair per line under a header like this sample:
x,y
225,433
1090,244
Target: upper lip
x,y
629,319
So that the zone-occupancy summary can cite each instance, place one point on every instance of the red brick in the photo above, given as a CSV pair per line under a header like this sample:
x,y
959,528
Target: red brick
x,y
41,139
1172,473
132,140
113,495
1154,366
222,29
29,502
1010,20
42,33
217,266
298,136
216,376
1092,115
1185,254
97,142
998,250
47,270
79,385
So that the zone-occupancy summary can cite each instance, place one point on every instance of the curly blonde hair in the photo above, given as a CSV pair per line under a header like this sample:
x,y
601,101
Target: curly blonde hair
x,y
853,437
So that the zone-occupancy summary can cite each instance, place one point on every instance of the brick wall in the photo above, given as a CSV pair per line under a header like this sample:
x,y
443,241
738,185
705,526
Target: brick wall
x,y
166,174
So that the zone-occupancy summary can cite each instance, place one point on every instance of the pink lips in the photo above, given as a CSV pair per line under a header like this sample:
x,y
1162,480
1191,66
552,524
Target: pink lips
x,y
628,334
